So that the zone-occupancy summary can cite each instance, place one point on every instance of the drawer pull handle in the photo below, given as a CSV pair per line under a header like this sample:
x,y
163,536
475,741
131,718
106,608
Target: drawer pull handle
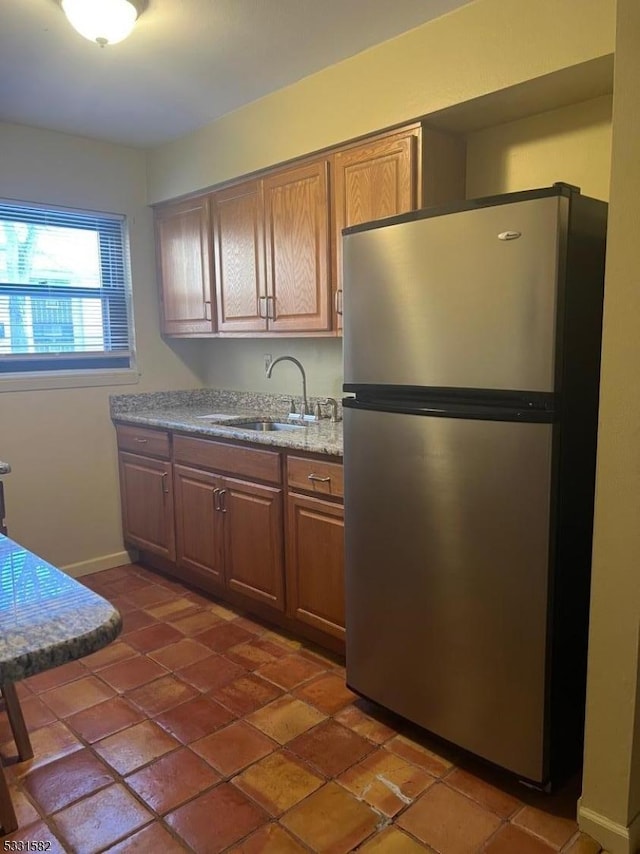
x,y
140,441
223,500
165,487
317,479
216,498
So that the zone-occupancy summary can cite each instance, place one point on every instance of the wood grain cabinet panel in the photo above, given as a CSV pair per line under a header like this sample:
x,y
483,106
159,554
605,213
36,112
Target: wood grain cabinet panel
x,y
254,542
237,217
229,534
146,490
296,212
199,532
254,463
319,477
315,563
140,440
184,266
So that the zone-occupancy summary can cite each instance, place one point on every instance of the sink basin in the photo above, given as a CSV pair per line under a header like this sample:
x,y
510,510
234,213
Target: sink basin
x,y
266,425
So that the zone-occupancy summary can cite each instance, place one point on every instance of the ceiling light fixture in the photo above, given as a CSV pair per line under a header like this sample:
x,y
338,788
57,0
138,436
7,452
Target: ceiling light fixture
x,y
103,21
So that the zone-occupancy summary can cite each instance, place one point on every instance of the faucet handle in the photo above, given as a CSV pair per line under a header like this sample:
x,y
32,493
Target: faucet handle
x,y
334,408
293,412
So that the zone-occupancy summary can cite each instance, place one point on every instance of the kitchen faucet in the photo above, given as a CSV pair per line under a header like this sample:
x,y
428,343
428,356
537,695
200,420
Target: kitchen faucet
x,y
305,402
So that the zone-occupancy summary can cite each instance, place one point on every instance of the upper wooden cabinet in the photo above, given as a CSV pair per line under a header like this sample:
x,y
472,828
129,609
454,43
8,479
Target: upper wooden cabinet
x,y
183,237
296,217
238,240
277,238
271,247
376,179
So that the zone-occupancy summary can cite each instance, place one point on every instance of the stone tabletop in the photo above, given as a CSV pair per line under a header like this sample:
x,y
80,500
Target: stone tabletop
x,y
46,617
215,413
5,468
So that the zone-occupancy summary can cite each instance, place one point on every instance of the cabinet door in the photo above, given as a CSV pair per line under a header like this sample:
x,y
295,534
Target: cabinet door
x,y
199,538
373,180
241,301
146,490
184,266
254,562
297,248
315,563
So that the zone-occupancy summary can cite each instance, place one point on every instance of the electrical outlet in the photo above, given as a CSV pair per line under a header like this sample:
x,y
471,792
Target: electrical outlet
x,y
267,361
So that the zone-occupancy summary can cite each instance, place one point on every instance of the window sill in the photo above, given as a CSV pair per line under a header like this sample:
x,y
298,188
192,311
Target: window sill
x,y
68,379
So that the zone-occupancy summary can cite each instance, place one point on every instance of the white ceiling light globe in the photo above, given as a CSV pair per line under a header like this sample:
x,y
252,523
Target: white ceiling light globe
x,y
101,21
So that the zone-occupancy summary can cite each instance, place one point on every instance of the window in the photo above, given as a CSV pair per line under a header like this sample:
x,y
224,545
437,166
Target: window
x,y
64,290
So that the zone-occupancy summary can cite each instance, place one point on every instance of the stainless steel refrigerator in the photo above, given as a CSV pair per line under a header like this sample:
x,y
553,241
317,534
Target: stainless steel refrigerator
x,y
472,349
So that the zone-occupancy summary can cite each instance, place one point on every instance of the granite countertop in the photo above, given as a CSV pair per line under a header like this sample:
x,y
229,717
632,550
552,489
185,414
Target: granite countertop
x,y
215,413
5,468
47,618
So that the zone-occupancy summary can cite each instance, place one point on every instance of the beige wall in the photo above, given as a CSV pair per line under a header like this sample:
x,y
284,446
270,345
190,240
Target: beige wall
x,y
239,364
483,47
62,496
611,794
571,144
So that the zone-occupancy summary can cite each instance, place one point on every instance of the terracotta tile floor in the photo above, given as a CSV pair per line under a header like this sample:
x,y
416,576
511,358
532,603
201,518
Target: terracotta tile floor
x,y
203,730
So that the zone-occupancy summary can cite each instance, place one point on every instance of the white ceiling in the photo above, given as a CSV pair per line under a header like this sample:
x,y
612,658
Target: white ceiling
x,y
186,63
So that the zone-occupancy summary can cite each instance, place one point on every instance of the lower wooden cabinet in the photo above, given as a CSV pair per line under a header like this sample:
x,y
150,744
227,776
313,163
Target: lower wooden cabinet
x,y
315,565
254,541
199,535
229,533
146,487
214,526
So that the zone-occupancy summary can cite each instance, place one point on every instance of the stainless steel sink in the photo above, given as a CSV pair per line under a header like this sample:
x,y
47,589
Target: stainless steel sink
x,y
266,425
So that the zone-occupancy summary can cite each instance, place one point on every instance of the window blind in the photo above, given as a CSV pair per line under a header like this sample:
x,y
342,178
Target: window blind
x,y
64,290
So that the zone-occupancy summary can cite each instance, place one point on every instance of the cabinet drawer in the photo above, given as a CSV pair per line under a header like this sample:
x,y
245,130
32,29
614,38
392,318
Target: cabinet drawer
x,y
243,462
140,440
317,476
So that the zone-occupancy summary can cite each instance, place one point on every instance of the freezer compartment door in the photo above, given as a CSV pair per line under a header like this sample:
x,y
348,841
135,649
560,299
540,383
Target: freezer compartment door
x,y
447,544
461,300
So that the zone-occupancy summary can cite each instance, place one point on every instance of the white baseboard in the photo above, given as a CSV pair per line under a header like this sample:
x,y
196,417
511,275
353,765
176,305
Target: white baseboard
x,y
614,838
86,567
